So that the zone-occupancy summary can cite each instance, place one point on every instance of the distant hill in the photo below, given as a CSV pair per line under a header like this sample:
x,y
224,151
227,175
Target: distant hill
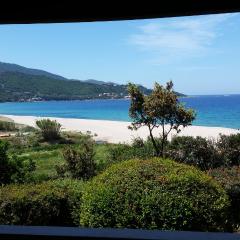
x,y
9,67
18,83
99,82
17,86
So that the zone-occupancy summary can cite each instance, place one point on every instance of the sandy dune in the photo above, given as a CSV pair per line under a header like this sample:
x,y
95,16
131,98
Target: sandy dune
x,y
116,131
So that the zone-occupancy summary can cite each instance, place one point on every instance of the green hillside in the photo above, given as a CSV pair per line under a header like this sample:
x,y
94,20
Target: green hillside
x,y
11,67
17,86
18,83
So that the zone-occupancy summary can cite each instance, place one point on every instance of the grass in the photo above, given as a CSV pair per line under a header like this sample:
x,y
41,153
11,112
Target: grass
x,y
47,155
46,159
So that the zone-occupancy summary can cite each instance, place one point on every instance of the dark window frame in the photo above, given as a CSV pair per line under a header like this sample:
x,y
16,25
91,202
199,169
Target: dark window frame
x,y
59,233
40,12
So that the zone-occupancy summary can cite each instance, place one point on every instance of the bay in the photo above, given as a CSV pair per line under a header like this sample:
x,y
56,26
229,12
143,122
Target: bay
x,y
212,110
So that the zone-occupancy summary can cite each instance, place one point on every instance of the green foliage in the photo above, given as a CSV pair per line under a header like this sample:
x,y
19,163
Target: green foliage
x,y
159,109
13,169
229,149
138,149
7,126
5,166
154,194
21,142
205,153
50,129
47,155
48,203
21,170
229,178
79,162
200,152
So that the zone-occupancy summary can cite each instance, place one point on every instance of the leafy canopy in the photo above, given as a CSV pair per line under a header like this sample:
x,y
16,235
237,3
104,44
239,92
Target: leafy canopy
x,y
158,109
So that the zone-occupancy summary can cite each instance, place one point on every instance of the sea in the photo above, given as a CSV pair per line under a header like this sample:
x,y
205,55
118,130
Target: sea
x,y
212,110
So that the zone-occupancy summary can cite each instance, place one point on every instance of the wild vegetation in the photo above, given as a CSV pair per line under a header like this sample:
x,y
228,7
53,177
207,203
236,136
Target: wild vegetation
x,y
7,126
50,130
50,177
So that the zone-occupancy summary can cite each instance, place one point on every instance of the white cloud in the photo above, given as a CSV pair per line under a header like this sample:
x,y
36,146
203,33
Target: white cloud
x,y
179,37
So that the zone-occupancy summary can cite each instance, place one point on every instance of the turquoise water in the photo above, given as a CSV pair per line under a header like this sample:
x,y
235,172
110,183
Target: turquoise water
x,y
219,111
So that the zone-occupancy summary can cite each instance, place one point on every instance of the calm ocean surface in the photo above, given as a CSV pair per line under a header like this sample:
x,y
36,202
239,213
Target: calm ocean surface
x,y
219,111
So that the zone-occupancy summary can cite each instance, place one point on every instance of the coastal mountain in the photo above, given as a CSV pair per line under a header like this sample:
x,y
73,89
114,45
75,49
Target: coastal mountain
x,y
10,67
16,86
18,83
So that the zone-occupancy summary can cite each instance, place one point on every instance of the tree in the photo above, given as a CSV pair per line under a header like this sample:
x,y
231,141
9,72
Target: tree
x,y
159,109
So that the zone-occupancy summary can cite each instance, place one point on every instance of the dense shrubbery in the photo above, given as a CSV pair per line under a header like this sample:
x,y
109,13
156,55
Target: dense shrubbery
x,y
229,149
138,149
48,203
50,129
12,168
229,178
204,153
7,126
198,151
154,194
80,162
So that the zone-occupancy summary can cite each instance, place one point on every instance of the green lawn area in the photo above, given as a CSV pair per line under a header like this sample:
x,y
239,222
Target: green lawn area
x,y
46,160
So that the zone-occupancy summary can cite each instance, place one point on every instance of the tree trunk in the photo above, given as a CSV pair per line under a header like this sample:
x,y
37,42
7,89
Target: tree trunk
x,y
163,140
154,142
162,146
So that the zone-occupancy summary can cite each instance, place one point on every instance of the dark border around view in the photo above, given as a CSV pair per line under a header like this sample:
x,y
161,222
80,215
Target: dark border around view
x,y
83,11
40,12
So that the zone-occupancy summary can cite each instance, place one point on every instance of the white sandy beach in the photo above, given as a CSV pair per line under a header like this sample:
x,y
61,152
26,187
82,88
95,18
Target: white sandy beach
x,y
117,131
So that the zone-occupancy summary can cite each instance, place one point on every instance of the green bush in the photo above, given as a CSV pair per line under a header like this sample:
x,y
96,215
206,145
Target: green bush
x,y
12,168
79,162
138,149
229,178
48,203
199,152
7,126
229,149
154,194
50,129
5,166
22,169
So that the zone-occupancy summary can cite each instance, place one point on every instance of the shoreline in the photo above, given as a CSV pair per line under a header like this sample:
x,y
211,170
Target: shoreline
x,y
117,131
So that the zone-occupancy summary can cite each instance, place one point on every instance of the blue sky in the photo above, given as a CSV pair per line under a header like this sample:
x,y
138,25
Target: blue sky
x,y
201,54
